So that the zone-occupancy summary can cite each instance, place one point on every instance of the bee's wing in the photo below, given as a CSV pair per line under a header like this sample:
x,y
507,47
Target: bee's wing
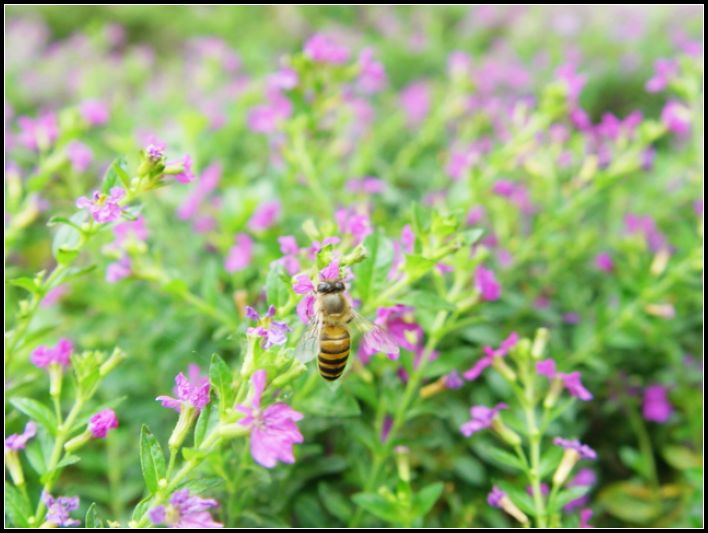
x,y
375,338
309,345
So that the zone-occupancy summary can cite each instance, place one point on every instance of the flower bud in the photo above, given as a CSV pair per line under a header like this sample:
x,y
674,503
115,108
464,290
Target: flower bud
x,y
506,434
539,343
403,464
12,463
187,415
505,370
56,373
553,393
569,460
77,442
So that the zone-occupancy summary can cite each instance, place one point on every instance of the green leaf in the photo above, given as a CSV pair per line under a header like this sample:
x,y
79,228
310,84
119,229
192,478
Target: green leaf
x,y
335,502
202,425
68,460
630,502
37,412
55,220
152,460
378,506
16,506
92,521
26,283
550,460
567,496
417,266
327,401
504,458
221,379
35,456
371,273
65,246
277,286
424,500
117,172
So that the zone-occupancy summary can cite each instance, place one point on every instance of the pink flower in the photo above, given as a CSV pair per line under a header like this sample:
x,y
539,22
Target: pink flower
x,y
453,380
459,65
207,182
571,381
486,283
19,441
482,418
58,509
273,331
185,511
372,75
54,295
194,393
103,208
585,516
102,422
584,478
303,284
415,100
130,230
330,272
603,261
585,451
397,327
95,113
273,430
306,308
265,216
317,246
79,155
476,215
185,174
489,355
664,71
267,118
323,49
285,78
353,223
367,185
155,151
60,354
38,133
119,270
676,116
657,407
240,255
646,225
289,247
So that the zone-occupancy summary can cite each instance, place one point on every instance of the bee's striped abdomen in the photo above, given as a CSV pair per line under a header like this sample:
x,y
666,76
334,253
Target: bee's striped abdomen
x,y
335,345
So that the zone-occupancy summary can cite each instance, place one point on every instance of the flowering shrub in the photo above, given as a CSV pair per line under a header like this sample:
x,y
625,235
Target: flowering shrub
x,y
511,198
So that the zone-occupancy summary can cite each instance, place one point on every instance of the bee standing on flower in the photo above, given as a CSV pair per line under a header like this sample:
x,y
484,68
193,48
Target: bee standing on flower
x,y
329,335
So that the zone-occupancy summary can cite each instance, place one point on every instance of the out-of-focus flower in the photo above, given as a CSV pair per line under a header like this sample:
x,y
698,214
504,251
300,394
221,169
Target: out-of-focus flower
x,y
273,430
273,332
54,295
19,441
240,255
207,182
584,478
306,308
181,170
491,356
316,246
285,79
571,382
401,330
38,133
647,226
94,112
603,261
453,380
58,509
80,156
574,451
265,216
481,418
353,223
573,81
290,249
367,185
155,150
498,498
664,71
676,116
103,208
330,272
323,49
102,422
372,75
268,117
517,193
459,65
119,270
656,406
194,393
60,354
130,230
185,511
486,283
585,516
415,100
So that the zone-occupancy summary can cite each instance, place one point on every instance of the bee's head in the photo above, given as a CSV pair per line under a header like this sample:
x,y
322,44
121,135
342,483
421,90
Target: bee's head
x,y
327,287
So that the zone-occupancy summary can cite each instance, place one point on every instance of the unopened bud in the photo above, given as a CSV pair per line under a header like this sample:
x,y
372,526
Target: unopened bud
x,y
569,460
539,343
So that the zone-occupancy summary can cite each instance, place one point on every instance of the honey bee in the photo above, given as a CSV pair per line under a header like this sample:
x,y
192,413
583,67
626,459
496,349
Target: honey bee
x,y
329,334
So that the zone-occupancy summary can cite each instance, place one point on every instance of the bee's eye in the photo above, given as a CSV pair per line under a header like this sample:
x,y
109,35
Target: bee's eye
x,y
324,287
339,286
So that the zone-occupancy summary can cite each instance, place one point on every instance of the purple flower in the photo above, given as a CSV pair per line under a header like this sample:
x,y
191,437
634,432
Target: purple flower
x,y
54,295
289,247
482,418
495,497
102,422
664,71
323,49
155,151
656,407
397,328
676,116
355,224
573,81
268,117
330,272
489,355
185,511
103,208
185,174
317,246
583,450
194,393
60,354
415,100
367,185
516,193
95,113
19,441
273,331
285,78
134,230
372,75
603,261
407,239
40,132
386,426
486,283
240,255
476,215
205,185
547,368
453,380
303,284
79,155
273,430
647,226
584,478
570,381
265,216
58,509
306,308
119,270
585,516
